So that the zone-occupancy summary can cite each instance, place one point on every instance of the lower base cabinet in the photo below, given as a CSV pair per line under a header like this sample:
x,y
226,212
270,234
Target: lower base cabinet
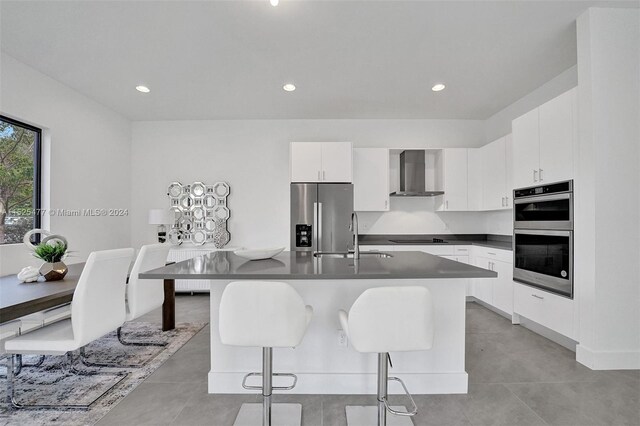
x,y
503,286
497,292
547,309
462,259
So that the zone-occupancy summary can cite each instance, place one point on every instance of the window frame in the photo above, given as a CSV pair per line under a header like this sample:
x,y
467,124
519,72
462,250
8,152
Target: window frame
x,y
37,172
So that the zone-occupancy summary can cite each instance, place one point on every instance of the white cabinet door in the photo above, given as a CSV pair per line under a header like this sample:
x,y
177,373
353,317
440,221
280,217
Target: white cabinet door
x,y
306,161
474,179
494,175
552,311
503,286
556,138
455,179
508,152
371,179
526,153
337,165
483,287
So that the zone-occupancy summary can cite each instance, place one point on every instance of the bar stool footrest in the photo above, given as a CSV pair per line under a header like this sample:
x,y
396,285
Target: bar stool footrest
x,y
250,387
408,413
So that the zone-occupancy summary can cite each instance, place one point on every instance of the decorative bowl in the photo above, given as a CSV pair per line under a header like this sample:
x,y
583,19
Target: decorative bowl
x,y
259,254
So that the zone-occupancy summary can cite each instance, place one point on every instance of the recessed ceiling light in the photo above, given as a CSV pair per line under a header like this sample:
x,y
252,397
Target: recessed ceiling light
x,y
438,87
274,3
143,89
289,87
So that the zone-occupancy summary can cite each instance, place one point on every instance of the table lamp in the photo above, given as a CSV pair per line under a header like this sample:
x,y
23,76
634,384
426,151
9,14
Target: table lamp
x,y
160,217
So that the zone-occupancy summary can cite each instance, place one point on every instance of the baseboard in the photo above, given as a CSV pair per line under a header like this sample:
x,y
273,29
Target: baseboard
x,y
350,384
608,360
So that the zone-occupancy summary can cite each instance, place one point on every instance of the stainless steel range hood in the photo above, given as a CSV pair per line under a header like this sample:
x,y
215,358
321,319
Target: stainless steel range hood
x,y
412,175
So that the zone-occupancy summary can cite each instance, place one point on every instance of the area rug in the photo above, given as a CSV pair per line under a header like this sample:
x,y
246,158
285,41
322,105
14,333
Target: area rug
x,y
49,384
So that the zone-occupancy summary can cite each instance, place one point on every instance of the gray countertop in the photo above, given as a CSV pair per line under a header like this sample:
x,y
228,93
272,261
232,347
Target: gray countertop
x,y
502,242
223,265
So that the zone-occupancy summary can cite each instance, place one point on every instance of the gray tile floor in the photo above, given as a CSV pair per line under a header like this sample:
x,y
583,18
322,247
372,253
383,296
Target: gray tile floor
x,y
516,378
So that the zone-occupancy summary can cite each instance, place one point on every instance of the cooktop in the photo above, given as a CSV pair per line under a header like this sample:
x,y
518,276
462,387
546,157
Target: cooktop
x,y
430,241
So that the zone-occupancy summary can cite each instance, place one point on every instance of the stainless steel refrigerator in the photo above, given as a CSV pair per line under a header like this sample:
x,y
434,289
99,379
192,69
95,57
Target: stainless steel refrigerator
x,y
320,216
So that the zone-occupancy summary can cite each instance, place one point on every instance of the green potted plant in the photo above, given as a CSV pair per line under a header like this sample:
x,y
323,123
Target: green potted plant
x,y
52,252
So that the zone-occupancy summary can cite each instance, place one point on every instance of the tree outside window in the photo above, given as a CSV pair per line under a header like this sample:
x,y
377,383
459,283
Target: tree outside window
x,y
19,179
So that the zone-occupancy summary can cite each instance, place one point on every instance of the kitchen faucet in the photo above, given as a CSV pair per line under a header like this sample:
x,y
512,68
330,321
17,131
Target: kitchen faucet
x,y
353,227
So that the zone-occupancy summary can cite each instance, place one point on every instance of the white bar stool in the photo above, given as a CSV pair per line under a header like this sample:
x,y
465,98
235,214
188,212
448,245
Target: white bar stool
x,y
267,315
383,320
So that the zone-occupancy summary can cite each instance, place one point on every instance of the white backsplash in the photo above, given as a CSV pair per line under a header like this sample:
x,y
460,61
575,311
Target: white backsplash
x,y
418,215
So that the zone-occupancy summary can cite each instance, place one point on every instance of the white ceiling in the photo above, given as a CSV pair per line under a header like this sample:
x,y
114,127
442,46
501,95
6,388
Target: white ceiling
x,y
349,59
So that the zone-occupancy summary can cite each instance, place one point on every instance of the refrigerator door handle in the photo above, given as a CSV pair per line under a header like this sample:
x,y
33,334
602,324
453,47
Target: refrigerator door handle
x,y
315,227
319,227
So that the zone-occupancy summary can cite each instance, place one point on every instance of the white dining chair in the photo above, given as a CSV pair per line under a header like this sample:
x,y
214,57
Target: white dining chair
x,y
98,307
383,320
48,316
143,296
8,330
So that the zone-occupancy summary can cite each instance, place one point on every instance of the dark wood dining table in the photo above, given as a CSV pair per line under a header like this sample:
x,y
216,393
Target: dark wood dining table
x,y
18,299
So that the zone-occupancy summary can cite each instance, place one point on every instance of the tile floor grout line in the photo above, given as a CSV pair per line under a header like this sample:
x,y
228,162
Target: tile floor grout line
x,y
527,405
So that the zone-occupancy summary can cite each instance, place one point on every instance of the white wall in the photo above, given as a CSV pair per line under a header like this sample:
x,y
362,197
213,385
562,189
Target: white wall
x,y
253,156
607,220
499,124
87,160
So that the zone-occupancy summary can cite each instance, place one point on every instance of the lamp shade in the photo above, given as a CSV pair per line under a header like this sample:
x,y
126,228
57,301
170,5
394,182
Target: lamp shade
x,y
159,217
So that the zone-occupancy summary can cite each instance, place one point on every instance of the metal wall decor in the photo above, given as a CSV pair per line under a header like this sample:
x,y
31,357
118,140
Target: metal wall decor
x,y
201,213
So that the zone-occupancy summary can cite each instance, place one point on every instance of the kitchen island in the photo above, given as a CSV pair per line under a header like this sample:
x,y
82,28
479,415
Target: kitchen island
x,y
324,362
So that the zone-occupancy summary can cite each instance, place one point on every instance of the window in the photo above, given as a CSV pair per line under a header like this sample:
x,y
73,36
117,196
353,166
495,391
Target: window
x,y
19,179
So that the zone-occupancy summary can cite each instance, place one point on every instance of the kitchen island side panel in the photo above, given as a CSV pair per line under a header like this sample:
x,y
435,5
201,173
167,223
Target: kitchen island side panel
x,y
323,366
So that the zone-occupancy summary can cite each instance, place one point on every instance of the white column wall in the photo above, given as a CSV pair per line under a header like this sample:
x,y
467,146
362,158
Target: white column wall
x,y
607,222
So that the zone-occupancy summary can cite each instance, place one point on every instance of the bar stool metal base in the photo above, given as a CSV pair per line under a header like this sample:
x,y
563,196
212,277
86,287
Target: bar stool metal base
x,y
359,415
282,414
384,414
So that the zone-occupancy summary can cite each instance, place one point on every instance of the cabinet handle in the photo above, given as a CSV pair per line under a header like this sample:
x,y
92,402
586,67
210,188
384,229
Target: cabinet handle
x,y
540,174
446,205
386,204
324,174
318,174
489,252
535,175
538,297
506,201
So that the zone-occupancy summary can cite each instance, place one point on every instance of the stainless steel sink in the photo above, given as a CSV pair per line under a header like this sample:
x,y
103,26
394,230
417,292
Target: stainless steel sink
x,y
350,255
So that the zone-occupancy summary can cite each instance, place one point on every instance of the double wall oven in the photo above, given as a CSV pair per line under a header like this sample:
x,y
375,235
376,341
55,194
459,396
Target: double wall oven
x,y
543,237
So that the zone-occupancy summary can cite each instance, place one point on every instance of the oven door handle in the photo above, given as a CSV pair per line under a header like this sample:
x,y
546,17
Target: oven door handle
x,y
543,198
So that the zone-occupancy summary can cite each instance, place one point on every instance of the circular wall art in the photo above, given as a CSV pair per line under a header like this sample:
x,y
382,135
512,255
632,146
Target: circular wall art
x,y
201,213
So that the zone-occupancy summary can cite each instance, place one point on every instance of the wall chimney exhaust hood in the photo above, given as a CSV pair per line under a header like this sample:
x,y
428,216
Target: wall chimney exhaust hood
x,y
412,175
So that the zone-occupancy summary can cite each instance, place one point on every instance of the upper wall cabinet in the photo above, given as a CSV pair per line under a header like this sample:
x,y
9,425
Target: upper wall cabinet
x,y
474,179
454,174
490,173
543,141
371,179
321,162
494,173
